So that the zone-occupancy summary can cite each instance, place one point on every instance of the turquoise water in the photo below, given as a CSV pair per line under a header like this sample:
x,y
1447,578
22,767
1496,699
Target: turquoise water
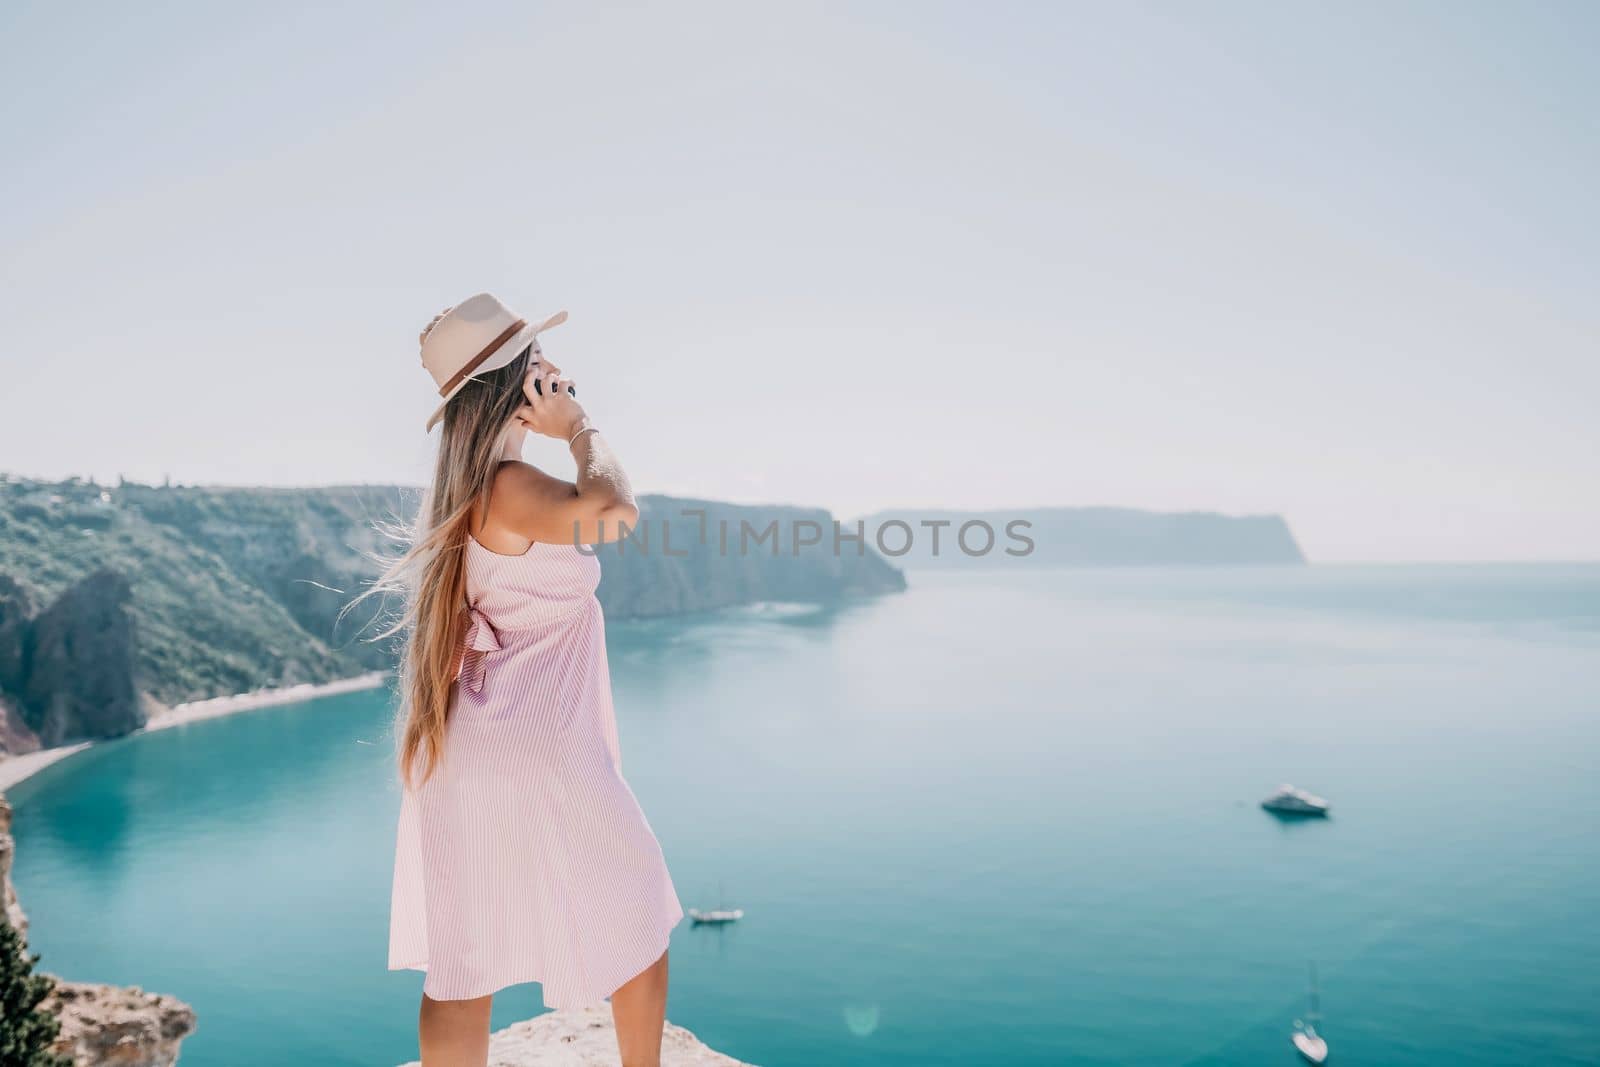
x,y
1004,818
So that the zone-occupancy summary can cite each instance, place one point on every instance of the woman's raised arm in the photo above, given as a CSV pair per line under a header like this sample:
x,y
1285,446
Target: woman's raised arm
x,y
597,508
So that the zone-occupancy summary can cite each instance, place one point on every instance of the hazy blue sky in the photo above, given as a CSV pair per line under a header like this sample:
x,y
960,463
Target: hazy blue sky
x,y
1337,261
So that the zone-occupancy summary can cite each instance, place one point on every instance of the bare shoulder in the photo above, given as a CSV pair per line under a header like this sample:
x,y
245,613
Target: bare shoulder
x,y
514,476
520,487
527,504
536,506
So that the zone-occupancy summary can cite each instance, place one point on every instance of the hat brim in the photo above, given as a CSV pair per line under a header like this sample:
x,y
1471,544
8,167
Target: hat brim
x,y
502,357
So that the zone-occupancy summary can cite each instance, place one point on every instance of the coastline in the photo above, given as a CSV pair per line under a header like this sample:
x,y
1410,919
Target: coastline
x,y
15,769
217,707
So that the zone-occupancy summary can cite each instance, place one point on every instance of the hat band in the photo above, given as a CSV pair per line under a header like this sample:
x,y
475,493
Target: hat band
x,y
477,361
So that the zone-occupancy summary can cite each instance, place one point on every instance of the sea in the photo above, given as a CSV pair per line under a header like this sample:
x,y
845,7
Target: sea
x,y
1005,817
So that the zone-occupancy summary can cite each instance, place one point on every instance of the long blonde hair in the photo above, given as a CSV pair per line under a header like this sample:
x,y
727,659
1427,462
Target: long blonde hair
x,y
430,576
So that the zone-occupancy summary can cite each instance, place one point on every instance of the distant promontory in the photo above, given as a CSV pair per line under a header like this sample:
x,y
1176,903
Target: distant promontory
x,y
1080,537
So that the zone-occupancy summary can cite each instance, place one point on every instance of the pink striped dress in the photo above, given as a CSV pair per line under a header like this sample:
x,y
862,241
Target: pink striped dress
x,y
525,857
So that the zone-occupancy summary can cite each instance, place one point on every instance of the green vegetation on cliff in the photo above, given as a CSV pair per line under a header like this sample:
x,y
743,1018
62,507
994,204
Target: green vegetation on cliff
x,y
27,1032
231,589
205,620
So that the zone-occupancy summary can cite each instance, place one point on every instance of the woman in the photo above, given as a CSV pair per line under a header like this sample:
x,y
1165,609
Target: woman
x,y
522,853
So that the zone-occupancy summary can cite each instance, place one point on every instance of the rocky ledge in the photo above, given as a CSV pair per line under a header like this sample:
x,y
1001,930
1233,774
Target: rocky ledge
x,y
102,1025
108,1026
584,1037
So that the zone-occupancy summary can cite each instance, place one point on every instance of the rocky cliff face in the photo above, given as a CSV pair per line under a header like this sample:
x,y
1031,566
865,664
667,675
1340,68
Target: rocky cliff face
x,y
77,671
101,1025
109,1026
16,611
67,672
586,1038
8,852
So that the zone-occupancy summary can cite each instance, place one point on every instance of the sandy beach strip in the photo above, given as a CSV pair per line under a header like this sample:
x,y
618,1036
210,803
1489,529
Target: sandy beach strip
x,y
14,769
216,707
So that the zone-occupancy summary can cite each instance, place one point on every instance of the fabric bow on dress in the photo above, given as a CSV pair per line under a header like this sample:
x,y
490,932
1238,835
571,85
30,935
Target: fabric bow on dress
x,y
481,639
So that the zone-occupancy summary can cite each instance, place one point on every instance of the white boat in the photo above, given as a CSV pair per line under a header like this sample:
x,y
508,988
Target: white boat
x,y
716,915
1291,801
1312,1046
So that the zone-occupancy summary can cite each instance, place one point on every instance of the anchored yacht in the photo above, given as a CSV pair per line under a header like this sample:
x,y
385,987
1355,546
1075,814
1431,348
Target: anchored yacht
x,y
1291,801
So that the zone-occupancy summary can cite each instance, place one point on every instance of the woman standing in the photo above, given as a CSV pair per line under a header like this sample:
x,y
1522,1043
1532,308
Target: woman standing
x,y
522,854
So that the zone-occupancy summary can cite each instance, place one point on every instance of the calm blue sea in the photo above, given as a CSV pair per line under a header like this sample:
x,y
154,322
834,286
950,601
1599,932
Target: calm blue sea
x,y
1004,818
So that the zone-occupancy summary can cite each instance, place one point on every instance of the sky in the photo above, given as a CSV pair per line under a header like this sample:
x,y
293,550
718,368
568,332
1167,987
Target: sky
x,y
1333,261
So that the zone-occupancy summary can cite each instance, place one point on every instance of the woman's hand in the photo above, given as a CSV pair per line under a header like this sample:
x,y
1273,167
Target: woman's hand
x,y
554,412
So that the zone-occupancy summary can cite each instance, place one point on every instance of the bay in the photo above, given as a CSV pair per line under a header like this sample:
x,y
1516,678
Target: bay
x,y
1007,817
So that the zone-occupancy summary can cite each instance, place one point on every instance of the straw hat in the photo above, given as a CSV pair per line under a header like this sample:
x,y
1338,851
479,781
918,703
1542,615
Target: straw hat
x,y
477,335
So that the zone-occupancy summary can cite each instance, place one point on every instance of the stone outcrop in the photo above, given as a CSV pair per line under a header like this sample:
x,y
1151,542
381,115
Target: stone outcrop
x,y
8,847
108,1026
16,737
77,665
102,1025
585,1038
16,611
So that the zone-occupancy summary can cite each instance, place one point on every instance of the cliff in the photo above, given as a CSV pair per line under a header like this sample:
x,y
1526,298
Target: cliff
x,y
199,592
586,1038
202,625
112,1026
101,1025
697,555
8,854
1086,537
76,676
16,615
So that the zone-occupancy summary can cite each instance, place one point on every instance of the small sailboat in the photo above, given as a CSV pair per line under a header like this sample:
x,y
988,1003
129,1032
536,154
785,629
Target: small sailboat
x,y
717,916
1312,1046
